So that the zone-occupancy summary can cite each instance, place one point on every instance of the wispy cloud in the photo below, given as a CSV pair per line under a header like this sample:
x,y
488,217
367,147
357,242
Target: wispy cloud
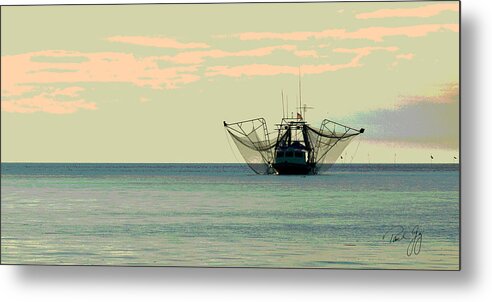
x,y
448,93
58,101
306,53
197,57
431,121
160,42
23,78
365,51
69,91
376,34
270,70
402,56
29,86
29,71
406,56
99,67
419,12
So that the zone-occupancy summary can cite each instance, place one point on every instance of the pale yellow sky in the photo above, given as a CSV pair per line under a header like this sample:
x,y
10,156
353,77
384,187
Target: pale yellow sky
x,y
153,83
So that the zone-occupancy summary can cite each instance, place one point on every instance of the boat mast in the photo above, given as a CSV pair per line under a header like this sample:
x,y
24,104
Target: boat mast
x,y
300,94
283,107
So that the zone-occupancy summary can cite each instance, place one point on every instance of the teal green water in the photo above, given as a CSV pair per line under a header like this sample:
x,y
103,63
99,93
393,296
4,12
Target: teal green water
x,y
224,215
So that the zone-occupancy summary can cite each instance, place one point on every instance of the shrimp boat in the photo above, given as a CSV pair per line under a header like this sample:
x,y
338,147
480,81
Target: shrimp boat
x,y
294,148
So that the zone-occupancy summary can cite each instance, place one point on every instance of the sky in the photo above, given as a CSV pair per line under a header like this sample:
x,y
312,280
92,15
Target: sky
x,y
153,83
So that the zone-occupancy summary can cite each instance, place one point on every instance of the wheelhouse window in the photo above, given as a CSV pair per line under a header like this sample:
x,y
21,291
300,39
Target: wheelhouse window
x,y
280,153
289,154
300,154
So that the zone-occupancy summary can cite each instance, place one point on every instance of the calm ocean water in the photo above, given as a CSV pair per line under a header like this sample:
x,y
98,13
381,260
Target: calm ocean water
x,y
355,216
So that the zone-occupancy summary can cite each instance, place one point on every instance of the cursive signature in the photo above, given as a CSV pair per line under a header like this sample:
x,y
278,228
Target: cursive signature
x,y
399,233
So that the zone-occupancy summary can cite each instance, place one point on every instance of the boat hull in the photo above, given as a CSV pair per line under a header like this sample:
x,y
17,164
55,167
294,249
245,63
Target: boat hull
x,y
292,169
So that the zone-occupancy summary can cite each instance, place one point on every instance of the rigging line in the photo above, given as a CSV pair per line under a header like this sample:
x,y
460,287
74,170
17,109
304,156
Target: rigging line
x,y
331,147
287,100
230,146
320,135
300,93
355,153
267,162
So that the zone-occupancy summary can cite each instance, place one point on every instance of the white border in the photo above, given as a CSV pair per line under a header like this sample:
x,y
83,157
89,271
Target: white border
x,y
473,283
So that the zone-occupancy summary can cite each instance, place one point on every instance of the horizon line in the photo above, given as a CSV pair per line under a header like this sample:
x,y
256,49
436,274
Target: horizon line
x,y
228,163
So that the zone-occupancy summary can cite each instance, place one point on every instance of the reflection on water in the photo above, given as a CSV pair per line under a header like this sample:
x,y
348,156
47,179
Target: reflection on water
x,y
222,215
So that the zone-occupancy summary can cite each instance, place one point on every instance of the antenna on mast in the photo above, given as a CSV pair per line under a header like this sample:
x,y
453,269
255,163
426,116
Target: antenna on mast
x,y
283,108
303,109
287,105
297,115
300,93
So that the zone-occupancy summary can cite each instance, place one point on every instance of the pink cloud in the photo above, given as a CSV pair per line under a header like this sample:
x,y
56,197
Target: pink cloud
x,y
406,56
306,53
99,67
58,101
421,12
370,33
197,57
292,36
45,103
447,93
161,42
22,75
14,90
250,70
365,50
378,33
270,70
69,91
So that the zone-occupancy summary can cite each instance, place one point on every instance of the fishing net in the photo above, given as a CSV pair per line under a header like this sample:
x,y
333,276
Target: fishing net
x,y
253,142
257,146
328,142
